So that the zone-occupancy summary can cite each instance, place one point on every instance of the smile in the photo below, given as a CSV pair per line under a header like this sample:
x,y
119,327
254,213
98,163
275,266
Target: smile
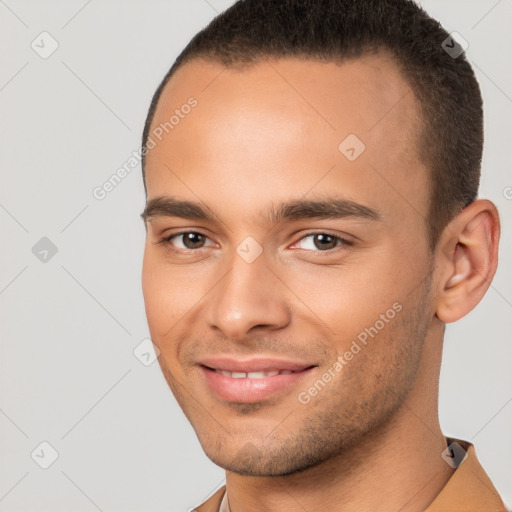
x,y
253,375
253,380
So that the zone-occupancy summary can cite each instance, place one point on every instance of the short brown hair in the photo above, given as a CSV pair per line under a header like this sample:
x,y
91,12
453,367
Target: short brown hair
x,y
334,30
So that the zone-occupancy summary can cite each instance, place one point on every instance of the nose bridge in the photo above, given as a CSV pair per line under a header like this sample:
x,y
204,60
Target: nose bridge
x,y
247,296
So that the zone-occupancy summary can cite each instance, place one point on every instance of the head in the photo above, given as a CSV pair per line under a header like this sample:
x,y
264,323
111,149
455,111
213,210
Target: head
x,y
328,218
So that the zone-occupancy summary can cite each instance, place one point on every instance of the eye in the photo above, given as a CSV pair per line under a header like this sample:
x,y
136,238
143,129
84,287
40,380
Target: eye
x,y
187,240
321,242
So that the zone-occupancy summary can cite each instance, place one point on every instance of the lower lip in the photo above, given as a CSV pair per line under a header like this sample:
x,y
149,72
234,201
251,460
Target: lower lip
x,y
250,390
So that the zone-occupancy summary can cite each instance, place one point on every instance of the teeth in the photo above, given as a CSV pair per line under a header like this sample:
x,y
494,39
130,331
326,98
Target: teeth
x,y
253,375
262,375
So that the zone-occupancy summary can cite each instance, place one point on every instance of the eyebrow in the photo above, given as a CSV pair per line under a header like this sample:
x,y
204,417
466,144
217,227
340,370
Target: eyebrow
x,y
328,208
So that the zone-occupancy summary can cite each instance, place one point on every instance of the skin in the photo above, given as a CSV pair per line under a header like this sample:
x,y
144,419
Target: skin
x,y
262,136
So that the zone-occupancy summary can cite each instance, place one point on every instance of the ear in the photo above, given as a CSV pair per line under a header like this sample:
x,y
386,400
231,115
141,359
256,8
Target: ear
x,y
467,257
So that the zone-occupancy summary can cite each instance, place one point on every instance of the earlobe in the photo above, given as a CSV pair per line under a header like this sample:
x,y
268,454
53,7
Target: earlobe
x,y
468,259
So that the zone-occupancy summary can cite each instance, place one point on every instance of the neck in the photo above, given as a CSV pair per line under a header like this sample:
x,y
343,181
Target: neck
x,y
397,467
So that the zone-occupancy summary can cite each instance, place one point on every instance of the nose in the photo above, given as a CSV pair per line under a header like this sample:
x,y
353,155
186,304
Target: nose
x,y
249,296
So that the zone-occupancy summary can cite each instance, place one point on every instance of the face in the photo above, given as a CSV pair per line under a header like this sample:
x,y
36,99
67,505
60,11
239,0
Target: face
x,y
286,265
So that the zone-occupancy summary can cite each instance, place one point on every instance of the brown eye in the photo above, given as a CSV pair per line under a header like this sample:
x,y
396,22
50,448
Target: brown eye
x,y
321,242
324,241
187,240
193,240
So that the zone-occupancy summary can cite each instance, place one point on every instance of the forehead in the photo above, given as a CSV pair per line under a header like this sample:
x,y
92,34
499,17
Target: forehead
x,y
286,123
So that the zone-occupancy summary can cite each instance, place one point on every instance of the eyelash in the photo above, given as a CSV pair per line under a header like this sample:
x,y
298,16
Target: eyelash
x,y
343,242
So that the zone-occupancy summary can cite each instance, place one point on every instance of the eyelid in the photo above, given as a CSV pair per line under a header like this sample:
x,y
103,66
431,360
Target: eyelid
x,y
345,241
166,240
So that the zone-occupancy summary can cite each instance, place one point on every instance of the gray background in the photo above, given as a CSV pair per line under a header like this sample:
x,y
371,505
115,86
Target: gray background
x,y
70,324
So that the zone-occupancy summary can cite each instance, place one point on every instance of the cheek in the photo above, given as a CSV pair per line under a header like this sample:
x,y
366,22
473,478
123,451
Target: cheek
x,y
172,294
162,311
364,302
163,295
152,289
350,296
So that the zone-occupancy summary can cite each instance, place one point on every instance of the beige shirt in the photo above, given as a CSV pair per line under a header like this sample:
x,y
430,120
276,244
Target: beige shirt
x,y
468,490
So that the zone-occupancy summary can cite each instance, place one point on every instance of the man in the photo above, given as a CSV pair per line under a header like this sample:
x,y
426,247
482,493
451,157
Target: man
x,y
311,170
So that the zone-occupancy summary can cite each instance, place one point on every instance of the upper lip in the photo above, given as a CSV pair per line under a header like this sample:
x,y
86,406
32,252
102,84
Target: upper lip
x,y
254,364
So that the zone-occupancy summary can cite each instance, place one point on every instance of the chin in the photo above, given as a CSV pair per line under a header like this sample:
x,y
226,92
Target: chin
x,y
265,461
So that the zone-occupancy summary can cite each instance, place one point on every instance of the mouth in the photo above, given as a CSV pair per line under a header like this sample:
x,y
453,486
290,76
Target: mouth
x,y
252,375
252,380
